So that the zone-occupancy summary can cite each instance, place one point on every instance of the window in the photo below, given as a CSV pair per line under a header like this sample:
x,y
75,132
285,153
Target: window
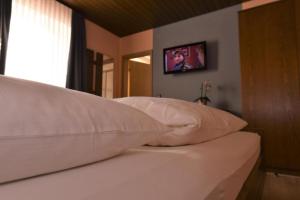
x,y
107,80
39,41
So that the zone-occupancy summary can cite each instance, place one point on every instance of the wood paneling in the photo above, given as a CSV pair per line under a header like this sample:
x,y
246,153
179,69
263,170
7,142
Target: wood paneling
x,y
95,68
140,76
125,17
270,81
125,74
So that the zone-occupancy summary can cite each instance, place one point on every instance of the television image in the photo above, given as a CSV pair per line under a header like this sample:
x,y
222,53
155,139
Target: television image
x,y
185,58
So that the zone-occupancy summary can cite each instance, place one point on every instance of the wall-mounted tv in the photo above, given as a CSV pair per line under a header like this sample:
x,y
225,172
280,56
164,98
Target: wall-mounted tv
x,y
185,58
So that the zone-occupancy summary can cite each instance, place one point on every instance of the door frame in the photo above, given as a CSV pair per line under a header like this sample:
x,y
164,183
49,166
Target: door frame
x,y
125,60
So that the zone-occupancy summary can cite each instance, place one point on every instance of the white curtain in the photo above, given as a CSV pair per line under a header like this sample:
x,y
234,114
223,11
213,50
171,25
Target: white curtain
x,y
39,41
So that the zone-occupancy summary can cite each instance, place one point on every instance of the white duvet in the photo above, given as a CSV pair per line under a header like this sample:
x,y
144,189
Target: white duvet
x,y
212,170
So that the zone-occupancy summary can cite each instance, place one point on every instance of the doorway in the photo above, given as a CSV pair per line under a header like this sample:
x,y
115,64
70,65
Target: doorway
x,y
108,77
100,74
137,74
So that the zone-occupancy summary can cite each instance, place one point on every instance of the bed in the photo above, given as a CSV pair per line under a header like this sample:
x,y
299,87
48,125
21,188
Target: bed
x,y
214,170
60,144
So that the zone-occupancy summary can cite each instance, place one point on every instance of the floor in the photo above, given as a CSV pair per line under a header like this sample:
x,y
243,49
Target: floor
x,y
281,187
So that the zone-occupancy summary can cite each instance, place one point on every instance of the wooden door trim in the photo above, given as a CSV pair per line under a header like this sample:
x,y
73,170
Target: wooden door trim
x,y
124,69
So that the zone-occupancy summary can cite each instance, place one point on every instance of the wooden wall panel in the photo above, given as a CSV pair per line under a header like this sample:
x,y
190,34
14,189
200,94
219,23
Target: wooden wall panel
x,y
270,81
140,79
95,68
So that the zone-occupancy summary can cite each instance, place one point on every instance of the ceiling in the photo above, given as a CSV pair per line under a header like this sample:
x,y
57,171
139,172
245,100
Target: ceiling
x,y
125,17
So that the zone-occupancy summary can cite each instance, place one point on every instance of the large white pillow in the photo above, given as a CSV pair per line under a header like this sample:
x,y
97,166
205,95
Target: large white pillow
x,y
192,123
45,128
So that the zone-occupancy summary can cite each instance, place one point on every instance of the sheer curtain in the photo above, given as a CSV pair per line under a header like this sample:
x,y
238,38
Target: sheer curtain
x,y
39,41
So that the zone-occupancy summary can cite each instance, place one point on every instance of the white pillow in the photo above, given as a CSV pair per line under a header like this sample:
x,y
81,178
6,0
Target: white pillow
x,y
192,123
45,128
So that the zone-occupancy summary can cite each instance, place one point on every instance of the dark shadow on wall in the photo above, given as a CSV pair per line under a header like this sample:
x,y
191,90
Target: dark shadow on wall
x,y
226,92
212,55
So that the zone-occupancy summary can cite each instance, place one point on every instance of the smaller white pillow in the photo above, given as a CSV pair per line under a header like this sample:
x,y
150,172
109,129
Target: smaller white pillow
x,y
191,123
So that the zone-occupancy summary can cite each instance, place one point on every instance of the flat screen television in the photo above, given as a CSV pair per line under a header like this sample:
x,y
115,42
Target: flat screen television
x,y
185,58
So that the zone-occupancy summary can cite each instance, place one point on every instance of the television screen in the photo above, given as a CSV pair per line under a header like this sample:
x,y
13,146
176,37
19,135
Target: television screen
x,y
185,58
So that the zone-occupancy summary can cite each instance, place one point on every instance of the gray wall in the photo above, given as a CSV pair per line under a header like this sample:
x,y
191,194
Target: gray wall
x,y
220,30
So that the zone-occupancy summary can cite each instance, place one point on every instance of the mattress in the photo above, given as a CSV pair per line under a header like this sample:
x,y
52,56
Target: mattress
x,y
212,170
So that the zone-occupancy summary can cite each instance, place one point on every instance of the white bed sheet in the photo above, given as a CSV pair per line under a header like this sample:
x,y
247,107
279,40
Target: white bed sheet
x,y
212,170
